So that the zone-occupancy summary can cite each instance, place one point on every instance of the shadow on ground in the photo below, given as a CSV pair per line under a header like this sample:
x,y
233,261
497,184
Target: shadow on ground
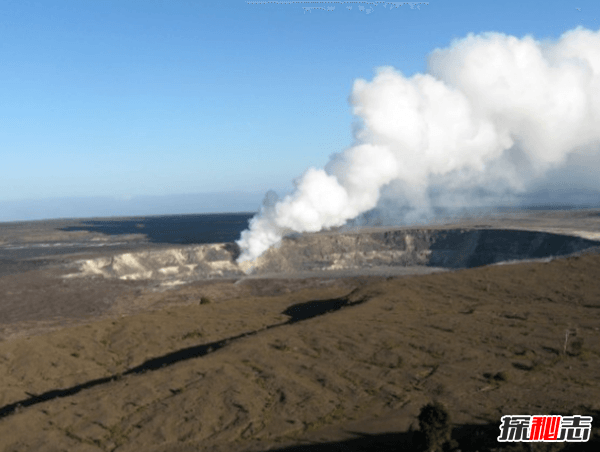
x,y
466,438
297,313
475,248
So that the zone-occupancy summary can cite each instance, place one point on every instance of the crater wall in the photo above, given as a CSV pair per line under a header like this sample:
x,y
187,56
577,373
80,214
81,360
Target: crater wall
x,y
329,253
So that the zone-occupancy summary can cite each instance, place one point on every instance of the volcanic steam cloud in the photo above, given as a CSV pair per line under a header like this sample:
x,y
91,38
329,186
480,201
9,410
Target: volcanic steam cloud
x,y
492,115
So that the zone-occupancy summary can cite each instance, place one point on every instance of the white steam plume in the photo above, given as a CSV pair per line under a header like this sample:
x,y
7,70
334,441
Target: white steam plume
x,y
493,113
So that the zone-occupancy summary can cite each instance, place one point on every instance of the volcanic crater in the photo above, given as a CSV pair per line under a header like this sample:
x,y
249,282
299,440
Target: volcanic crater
x,y
379,251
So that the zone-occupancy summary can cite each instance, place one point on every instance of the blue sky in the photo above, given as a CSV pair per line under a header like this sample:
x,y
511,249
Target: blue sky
x,y
108,106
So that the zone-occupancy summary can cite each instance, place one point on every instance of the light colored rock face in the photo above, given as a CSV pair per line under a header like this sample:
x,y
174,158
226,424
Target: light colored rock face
x,y
323,252
185,264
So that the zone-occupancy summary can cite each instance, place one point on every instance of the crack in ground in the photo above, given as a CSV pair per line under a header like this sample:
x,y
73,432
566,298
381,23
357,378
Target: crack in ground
x,y
297,313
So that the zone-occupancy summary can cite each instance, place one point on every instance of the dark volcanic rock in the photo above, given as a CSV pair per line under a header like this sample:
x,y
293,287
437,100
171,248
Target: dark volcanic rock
x,y
451,248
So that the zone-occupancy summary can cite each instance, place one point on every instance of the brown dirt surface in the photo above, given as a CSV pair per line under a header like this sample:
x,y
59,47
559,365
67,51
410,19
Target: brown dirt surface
x,y
325,364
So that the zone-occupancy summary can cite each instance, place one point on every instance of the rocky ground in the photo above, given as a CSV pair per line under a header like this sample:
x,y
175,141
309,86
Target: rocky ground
x,y
313,364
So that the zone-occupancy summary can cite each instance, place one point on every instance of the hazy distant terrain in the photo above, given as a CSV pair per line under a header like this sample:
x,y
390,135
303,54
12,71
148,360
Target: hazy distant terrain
x,y
82,207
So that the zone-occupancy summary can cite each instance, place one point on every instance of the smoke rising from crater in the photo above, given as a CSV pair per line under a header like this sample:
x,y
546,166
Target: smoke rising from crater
x,y
490,118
